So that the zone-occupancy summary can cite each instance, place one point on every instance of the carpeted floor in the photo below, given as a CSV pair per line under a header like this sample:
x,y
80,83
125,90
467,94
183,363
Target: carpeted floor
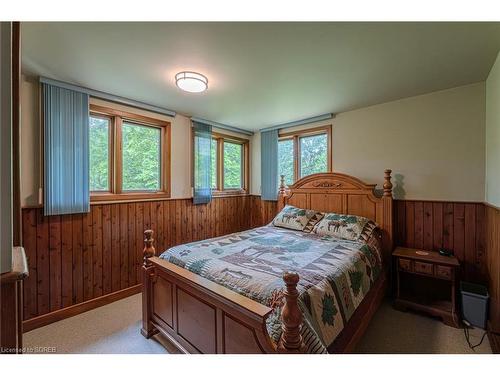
x,y
393,331
114,328
111,329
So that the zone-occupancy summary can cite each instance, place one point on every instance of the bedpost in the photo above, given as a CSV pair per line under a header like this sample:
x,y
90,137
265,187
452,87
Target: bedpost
x,y
387,219
291,317
148,271
149,249
281,193
387,183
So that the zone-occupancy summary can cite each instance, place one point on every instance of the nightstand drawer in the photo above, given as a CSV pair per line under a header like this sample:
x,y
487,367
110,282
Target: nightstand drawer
x,y
444,272
425,268
405,264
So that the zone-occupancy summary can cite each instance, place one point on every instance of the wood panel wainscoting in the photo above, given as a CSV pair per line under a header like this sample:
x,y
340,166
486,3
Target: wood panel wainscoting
x,y
82,261
459,226
493,267
262,212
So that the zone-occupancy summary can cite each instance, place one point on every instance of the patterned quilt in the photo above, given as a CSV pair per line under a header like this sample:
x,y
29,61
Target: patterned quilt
x,y
335,275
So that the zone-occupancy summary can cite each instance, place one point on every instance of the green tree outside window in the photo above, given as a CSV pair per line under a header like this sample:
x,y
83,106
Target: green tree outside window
x,y
141,157
99,153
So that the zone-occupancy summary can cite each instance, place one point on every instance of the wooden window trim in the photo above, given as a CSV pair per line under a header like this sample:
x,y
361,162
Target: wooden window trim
x,y
296,135
117,118
219,191
110,152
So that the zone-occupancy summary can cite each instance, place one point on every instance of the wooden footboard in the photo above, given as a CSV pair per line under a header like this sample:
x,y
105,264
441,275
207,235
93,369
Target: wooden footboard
x,y
200,316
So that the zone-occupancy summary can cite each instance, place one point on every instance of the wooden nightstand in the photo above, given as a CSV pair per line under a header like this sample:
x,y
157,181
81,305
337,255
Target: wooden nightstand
x,y
426,281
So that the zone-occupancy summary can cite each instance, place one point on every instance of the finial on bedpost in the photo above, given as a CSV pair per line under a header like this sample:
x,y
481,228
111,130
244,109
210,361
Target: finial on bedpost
x,y
282,183
291,317
387,183
149,250
281,193
387,222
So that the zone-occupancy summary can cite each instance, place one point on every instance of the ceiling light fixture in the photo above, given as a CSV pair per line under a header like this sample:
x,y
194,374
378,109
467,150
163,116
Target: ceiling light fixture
x,y
191,81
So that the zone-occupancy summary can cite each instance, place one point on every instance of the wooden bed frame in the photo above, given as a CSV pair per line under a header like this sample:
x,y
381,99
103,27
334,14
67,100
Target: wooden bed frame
x,y
200,316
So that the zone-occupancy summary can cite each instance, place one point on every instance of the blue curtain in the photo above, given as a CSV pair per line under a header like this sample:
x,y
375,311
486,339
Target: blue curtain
x,y
66,151
269,165
202,163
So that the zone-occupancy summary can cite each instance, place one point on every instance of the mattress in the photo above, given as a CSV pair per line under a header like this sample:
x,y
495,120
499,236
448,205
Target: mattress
x,y
335,274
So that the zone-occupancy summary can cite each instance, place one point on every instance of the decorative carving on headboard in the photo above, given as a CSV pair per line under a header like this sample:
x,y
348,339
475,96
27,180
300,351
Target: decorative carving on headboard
x,y
327,184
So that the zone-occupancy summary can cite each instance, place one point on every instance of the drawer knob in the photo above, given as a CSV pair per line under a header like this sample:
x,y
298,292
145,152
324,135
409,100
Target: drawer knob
x,y
423,268
405,264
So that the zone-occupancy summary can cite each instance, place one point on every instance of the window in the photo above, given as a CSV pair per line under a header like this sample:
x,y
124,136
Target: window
x,y
233,165
141,157
313,154
129,155
229,164
99,128
303,153
285,160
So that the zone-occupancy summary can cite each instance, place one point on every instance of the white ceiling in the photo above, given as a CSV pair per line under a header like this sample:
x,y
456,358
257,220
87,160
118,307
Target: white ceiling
x,y
261,74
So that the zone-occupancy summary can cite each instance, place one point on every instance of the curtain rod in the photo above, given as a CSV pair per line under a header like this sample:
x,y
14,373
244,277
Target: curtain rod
x,y
309,120
109,97
222,126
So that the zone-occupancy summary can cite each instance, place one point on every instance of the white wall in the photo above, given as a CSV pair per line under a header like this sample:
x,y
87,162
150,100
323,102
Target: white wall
x,y
492,193
31,159
434,143
6,147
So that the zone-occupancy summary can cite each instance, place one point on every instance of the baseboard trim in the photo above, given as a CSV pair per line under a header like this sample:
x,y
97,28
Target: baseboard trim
x,y
79,308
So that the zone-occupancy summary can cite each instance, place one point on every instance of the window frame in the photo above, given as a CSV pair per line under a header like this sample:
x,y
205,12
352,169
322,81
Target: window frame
x,y
222,166
220,138
296,135
117,118
110,152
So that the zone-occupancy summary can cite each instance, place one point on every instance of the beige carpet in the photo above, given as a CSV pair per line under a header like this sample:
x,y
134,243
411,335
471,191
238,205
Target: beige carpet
x,y
111,329
393,331
115,329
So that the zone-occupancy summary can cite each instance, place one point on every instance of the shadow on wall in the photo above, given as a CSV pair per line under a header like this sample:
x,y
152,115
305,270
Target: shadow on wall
x,y
398,190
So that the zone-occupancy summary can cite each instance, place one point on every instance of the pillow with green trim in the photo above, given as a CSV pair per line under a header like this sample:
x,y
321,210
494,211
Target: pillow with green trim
x,y
295,218
346,227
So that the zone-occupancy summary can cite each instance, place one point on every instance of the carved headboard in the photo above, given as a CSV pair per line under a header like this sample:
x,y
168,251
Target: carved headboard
x,y
341,193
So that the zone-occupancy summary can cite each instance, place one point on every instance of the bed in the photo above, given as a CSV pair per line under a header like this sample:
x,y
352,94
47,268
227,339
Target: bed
x,y
273,289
